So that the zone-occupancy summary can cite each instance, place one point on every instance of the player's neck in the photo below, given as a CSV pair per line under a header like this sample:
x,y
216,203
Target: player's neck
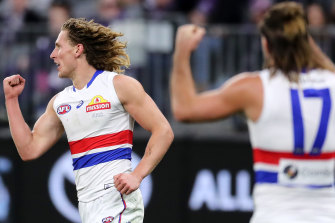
x,y
83,76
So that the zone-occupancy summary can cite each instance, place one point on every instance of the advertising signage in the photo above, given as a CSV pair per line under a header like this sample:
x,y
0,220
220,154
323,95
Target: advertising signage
x,y
196,180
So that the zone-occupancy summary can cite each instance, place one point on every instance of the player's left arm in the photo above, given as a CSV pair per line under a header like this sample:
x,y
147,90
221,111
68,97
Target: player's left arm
x,y
143,109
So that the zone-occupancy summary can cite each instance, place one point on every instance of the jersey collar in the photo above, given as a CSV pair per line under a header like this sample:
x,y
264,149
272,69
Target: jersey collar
x,y
92,79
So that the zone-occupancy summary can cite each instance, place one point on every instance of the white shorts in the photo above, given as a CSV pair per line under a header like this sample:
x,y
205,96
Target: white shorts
x,y
113,207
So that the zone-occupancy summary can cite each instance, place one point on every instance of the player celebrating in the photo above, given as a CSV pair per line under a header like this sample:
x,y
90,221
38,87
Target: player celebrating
x,y
290,111
97,114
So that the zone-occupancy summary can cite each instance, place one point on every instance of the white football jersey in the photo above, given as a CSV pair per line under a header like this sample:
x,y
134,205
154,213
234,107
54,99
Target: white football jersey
x,y
99,131
294,149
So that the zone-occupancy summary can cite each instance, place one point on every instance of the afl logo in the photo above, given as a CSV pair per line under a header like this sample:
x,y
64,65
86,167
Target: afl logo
x,y
108,219
63,109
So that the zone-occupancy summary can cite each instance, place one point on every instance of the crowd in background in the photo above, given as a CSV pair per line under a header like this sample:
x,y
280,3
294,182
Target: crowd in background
x,y
20,12
29,29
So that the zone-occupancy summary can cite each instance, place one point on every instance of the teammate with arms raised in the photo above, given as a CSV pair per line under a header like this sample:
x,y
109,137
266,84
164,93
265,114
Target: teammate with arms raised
x,y
290,111
97,114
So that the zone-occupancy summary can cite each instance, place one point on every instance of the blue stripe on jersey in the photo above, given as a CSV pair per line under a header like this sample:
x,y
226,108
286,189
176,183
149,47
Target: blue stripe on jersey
x,y
298,126
266,177
94,76
326,106
101,157
272,178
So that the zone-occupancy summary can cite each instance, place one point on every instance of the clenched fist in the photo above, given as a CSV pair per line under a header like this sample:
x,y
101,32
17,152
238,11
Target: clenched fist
x,y
188,37
13,86
126,183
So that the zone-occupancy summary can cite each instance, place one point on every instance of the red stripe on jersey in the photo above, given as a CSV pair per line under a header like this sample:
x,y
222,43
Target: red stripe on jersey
x,y
263,156
102,141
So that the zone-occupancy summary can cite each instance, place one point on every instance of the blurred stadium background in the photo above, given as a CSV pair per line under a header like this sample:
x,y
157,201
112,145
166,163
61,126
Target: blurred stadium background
x,y
207,174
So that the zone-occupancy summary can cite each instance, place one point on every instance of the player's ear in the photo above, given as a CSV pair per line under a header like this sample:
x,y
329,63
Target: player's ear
x,y
79,49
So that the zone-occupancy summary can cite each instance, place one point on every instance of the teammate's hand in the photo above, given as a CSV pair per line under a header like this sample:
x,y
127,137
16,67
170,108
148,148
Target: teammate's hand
x,y
188,37
13,86
126,183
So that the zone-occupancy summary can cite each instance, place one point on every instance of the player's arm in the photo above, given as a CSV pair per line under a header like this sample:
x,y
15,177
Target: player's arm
x,y
142,108
240,93
30,144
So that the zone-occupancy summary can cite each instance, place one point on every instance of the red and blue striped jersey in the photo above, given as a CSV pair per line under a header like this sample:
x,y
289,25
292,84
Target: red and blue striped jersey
x,y
99,131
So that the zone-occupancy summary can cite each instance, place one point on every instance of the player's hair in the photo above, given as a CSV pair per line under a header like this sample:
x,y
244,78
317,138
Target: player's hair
x,y
285,28
102,48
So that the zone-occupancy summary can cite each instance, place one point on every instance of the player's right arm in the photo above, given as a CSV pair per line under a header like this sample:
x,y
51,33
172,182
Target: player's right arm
x,y
241,93
30,144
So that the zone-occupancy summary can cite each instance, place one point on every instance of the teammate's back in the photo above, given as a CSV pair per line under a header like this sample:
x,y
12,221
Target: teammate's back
x,y
293,148
289,107
296,117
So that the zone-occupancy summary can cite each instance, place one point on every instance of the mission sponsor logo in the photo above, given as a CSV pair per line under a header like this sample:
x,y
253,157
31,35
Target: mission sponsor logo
x,y
63,109
98,103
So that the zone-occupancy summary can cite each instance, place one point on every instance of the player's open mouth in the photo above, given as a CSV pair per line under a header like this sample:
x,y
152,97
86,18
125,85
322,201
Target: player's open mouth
x,y
58,65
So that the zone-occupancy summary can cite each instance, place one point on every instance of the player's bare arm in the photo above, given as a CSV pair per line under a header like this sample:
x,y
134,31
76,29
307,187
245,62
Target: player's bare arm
x,y
241,93
30,144
142,108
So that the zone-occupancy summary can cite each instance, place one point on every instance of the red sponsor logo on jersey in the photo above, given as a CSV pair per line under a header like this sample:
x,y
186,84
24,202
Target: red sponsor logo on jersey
x,y
63,109
98,103
107,219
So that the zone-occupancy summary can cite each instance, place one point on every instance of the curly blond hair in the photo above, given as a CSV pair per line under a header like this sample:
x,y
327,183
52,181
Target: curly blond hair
x,y
102,48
